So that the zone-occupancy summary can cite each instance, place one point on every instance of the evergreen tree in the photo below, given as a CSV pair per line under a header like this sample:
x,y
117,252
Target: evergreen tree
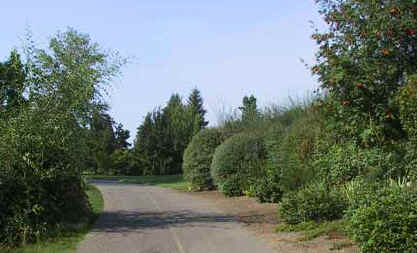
x,y
178,131
163,136
121,137
141,150
102,141
195,103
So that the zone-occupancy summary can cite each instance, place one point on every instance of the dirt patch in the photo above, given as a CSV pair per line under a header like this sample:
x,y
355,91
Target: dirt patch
x,y
262,219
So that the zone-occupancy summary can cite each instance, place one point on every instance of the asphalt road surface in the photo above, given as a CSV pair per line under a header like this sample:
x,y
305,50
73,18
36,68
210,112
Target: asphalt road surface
x,y
148,219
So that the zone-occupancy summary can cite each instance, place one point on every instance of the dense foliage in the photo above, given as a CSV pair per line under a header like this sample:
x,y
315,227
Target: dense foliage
x,y
368,53
294,156
328,158
386,220
46,108
238,163
271,187
314,202
198,156
164,135
107,141
357,134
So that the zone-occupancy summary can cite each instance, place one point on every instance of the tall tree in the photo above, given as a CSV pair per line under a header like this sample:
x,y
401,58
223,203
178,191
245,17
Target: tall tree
x,y
366,55
121,137
12,78
196,104
43,148
162,138
141,157
103,141
179,131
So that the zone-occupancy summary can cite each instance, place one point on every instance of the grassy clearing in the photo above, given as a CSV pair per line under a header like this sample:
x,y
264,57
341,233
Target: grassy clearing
x,y
66,242
176,182
313,230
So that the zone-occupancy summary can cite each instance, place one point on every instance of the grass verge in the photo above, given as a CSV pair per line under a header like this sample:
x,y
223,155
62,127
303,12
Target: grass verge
x,y
311,230
67,241
176,182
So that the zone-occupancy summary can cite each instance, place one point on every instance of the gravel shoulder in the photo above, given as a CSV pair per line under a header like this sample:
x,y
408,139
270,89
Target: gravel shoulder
x,y
261,220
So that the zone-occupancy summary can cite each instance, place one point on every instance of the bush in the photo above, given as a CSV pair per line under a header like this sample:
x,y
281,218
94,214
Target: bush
x,y
278,119
386,220
406,101
293,156
312,203
238,163
36,208
198,157
268,189
341,163
407,105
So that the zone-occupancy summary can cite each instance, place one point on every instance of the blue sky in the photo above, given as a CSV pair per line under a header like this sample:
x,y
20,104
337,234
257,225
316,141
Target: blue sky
x,y
228,49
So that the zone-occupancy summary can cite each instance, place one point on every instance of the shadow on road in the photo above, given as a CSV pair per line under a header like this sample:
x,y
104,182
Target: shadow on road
x,y
136,221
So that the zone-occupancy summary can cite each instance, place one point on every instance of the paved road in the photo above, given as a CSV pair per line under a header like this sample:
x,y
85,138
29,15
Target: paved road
x,y
148,219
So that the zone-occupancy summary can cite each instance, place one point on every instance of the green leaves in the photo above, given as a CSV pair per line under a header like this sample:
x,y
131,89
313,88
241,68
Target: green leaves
x,y
384,220
370,42
198,157
238,162
165,133
43,142
313,202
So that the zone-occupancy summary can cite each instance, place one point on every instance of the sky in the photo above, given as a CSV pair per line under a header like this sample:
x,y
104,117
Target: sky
x,y
225,48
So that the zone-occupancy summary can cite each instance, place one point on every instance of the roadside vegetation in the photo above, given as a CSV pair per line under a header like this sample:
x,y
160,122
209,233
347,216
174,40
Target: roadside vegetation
x,y
47,105
342,160
66,241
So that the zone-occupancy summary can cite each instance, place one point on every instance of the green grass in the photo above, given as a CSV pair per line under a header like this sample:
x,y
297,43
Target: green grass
x,y
176,182
66,242
313,230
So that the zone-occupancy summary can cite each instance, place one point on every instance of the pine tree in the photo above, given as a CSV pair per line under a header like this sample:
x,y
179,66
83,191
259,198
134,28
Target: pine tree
x,y
121,137
141,159
102,140
163,136
195,104
179,131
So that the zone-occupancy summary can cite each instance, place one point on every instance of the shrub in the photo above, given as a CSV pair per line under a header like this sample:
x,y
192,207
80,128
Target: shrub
x,y
386,221
341,163
198,157
293,156
268,189
238,162
279,119
314,202
36,208
407,106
